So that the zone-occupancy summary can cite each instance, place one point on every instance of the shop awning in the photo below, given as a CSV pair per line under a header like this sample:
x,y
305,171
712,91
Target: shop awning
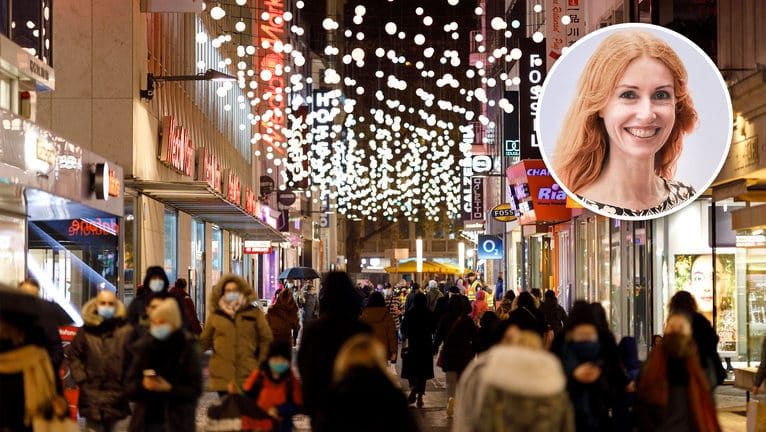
x,y
200,200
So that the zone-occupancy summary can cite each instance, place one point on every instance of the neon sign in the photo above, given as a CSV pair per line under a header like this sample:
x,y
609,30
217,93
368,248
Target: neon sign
x,y
270,33
176,148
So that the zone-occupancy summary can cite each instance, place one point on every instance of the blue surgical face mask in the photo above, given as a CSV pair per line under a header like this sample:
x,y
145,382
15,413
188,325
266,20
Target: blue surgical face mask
x,y
107,312
160,332
231,296
586,351
279,367
156,285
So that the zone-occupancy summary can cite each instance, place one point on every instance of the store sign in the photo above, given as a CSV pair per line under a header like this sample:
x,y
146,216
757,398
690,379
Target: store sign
x,y
45,151
176,147
477,198
473,226
467,172
532,72
511,147
257,247
232,187
267,185
286,198
490,247
249,201
535,194
209,168
97,227
100,183
751,241
269,33
503,213
115,185
175,6
481,164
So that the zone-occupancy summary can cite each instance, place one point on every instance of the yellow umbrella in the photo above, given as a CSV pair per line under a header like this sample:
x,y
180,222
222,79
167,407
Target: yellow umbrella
x,y
410,266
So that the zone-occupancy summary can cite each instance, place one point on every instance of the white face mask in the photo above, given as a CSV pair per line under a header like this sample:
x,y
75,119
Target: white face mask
x,y
156,285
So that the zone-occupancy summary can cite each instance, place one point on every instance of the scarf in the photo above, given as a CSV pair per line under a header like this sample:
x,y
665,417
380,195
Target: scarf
x,y
653,387
39,381
232,307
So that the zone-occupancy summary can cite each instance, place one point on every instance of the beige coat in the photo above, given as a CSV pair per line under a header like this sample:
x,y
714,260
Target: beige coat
x,y
240,344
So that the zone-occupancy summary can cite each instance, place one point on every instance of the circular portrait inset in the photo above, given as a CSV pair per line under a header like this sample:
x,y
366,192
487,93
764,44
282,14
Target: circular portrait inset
x,y
635,121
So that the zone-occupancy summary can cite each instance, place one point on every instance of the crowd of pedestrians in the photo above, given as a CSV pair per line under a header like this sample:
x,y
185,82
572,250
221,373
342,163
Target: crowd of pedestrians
x,y
523,364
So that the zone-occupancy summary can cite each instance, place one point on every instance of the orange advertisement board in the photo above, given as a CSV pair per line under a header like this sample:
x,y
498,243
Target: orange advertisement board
x,y
534,194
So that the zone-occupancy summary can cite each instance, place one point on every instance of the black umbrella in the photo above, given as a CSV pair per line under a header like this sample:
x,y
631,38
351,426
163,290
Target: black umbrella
x,y
15,305
299,273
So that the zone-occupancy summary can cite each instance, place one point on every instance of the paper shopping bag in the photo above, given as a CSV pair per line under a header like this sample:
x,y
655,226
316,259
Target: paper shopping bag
x,y
756,416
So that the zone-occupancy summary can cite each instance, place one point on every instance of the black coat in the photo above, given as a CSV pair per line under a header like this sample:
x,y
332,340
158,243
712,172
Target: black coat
x,y
707,345
417,328
177,360
529,318
321,341
461,342
365,400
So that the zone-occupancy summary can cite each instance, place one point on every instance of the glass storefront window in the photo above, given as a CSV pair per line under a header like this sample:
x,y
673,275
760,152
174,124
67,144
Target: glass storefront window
x,y
12,235
171,244
217,255
197,270
129,248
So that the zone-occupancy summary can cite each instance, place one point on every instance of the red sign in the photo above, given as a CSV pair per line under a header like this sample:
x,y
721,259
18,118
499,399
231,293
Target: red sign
x,y
270,33
537,196
250,200
176,148
210,168
257,247
93,227
114,184
232,187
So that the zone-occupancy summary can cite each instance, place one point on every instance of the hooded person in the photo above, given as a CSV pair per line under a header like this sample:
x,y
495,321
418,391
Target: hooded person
x,y
179,290
236,331
526,314
283,318
165,376
99,361
479,306
433,295
418,363
340,304
673,391
156,284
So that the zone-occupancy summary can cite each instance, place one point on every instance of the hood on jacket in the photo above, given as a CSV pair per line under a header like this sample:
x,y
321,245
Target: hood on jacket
x,y
90,312
535,373
156,271
217,292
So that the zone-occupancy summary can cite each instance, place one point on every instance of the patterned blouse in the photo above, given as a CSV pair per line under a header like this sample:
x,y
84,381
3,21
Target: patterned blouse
x,y
679,193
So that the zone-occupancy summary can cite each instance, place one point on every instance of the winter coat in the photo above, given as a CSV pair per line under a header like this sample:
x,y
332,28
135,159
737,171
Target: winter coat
x,y
175,359
535,388
417,328
284,323
365,399
383,327
190,312
432,297
460,343
555,316
309,305
98,361
137,307
529,318
707,343
283,394
239,344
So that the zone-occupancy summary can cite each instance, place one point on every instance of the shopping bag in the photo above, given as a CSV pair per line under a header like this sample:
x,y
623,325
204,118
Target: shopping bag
x,y
756,416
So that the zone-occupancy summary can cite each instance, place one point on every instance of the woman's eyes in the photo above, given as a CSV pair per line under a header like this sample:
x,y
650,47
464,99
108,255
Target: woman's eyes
x,y
658,95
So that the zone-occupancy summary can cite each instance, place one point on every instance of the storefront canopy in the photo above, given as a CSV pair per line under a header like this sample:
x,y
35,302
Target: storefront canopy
x,y
200,200
410,266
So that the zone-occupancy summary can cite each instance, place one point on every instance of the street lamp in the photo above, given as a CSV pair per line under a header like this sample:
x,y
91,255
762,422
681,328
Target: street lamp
x,y
461,256
419,254
208,75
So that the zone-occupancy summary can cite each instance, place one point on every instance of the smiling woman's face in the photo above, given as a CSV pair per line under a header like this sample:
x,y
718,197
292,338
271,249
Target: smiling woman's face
x,y
640,113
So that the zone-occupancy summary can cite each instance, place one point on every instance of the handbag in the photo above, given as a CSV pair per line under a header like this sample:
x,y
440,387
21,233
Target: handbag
x,y
756,416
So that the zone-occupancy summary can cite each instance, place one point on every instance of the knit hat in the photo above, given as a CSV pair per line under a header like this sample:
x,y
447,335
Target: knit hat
x,y
169,312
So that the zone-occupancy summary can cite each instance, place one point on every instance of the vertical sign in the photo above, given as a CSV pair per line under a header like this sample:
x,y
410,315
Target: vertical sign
x,y
467,172
477,198
532,74
511,146
323,114
268,34
555,30
576,28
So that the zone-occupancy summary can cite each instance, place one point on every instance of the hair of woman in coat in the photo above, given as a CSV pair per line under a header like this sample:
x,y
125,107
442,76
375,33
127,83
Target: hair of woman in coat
x,y
682,301
600,313
550,298
509,295
525,299
360,351
581,313
376,300
285,300
583,145
338,296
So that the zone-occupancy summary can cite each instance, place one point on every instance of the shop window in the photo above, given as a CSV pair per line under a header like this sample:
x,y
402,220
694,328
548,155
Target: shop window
x,y
197,270
171,244
129,247
217,255
11,249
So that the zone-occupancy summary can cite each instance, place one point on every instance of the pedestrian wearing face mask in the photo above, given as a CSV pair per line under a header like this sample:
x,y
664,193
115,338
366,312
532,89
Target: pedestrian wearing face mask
x,y
236,331
98,361
673,390
165,376
275,390
156,284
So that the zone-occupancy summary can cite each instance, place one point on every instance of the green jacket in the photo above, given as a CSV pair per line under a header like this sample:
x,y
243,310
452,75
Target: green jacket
x,y
239,344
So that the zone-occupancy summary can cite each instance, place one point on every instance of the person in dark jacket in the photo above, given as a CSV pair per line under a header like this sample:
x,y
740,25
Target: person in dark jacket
x,y
98,360
628,350
459,335
165,376
527,316
595,378
283,318
487,331
418,364
555,315
673,391
363,395
190,312
53,344
704,336
376,315
414,289
340,304
159,286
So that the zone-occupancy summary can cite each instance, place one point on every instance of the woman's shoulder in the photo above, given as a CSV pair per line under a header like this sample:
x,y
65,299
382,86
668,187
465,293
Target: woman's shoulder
x,y
679,191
